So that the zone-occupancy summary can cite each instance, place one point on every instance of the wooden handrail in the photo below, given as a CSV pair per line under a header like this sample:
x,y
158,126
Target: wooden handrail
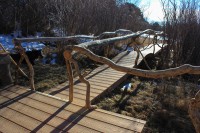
x,y
12,60
17,42
186,68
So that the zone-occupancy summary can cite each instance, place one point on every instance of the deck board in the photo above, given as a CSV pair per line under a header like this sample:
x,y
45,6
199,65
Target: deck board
x,y
102,79
34,111
12,128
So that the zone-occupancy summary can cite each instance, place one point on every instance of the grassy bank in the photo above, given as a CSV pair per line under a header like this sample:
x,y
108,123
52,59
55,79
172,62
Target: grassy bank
x,y
46,76
162,103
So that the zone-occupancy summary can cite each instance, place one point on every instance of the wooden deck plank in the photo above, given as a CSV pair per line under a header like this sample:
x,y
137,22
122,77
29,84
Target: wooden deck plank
x,y
78,87
94,115
12,128
49,118
76,90
3,99
25,121
101,79
21,92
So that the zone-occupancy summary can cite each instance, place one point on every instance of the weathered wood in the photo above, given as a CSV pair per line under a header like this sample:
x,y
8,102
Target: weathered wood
x,y
115,39
11,127
43,113
138,72
82,79
102,42
101,80
132,36
120,31
20,70
22,52
194,111
68,56
137,58
52,39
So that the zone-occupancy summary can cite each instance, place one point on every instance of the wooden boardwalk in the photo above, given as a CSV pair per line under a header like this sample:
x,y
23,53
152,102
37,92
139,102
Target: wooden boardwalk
x,y
102,79
22,110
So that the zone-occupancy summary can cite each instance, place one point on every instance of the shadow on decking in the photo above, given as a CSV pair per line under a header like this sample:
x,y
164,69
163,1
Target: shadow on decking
x,y
100,71
68,123
73,119
15,99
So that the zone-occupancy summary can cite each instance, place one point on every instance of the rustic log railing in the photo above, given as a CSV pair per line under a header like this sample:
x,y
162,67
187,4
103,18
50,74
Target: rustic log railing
x,y
131,35
12,60
83,48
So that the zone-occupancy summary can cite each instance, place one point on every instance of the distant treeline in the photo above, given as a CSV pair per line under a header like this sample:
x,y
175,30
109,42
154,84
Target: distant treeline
x,y
69,16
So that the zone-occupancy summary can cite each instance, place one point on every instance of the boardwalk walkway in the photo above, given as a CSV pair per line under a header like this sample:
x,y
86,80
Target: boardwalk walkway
x,y
25,111
22,110
102,80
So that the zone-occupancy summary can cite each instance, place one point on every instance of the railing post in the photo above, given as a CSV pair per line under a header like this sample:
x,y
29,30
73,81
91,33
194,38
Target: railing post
x,y
82,79
137,57
23,55
69,59
67,55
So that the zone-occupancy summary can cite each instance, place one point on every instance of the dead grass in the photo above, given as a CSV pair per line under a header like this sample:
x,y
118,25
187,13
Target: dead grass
x,y
46,76
163,104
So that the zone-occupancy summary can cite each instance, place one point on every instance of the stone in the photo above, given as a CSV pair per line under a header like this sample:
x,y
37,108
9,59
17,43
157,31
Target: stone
x,y
5,74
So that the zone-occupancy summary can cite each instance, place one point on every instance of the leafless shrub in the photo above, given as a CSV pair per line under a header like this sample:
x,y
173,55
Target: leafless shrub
x,y
182,26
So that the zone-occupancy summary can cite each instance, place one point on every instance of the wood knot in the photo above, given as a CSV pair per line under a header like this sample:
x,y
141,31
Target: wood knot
x,y
67,54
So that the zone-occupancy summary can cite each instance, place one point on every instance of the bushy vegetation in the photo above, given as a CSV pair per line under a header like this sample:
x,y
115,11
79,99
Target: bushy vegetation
x,y
182,27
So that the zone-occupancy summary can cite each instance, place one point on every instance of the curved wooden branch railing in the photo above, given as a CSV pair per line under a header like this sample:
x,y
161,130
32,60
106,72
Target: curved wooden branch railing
x,y
17,66
139,72
133,36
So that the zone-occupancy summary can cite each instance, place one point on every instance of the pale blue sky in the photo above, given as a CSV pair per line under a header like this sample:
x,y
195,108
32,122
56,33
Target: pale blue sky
x,y
152,9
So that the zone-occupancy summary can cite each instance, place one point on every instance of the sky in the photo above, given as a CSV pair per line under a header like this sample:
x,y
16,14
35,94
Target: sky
x,y
152,10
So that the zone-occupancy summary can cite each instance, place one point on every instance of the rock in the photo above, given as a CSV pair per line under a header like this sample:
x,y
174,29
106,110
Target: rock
x,y
5,75
151,61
